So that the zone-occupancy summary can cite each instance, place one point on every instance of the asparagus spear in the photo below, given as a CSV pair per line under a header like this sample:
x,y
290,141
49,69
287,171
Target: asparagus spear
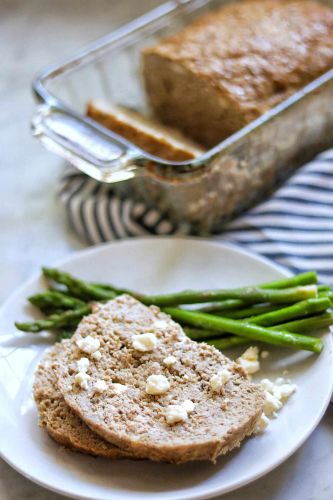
x,y
302,308
312,324
55,320
248,312
86,290
247,330
63,334
307,278
79,288
247,294
304,325
224,305
221,308
202,334
228,342
52,300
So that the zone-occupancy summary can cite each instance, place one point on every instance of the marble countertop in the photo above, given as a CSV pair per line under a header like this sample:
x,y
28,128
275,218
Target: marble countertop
x,y
33,229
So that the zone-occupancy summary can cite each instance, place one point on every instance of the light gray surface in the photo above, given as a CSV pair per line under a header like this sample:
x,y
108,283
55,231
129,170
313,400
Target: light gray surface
x,y
33,230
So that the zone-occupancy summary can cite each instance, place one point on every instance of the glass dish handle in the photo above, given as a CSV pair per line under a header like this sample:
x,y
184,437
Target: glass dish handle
x,y
92,149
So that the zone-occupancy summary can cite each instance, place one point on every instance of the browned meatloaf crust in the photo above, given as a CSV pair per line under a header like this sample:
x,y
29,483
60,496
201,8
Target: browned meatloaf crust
x,y
231,66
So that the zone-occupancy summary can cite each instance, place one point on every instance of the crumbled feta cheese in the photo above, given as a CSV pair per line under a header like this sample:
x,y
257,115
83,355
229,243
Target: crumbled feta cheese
x,y
97,355
175,414
81,379
169,360
118,388
272,404
218,381
284,390
145,342
160,323
249,360
83,364
188,405
157,384
262,424
264,354
88,344
100,386
276,394
268,385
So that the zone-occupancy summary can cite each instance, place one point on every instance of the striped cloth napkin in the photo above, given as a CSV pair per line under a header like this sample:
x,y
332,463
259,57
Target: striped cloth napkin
x,y
294,227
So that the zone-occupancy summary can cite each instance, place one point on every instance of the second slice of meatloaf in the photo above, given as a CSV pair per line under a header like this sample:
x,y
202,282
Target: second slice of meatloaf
x,y
55,416
232,65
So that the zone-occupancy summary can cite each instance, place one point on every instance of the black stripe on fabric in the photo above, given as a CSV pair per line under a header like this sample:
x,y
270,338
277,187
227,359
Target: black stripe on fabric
x,y
121,217
303,201
111,221
320,174
86,232
133,228
311,187
271,241
287,229
97,221
276,254
141,220
89,214
286,214
82,209
69,200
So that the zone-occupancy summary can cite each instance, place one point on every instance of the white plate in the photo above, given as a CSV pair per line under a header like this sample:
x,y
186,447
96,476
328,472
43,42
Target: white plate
x,y
153,265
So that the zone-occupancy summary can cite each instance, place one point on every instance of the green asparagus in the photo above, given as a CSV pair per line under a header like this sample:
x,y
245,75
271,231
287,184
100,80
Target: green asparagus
x,y
312,324
298,310
55,321
53,300
202,334
228,342
85,290
244,329
79,288
305,325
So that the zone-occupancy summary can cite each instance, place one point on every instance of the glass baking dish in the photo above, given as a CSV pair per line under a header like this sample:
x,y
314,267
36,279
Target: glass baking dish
x,y
205,192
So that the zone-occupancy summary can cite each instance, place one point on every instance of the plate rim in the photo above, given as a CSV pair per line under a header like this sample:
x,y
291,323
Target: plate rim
x,y
174,240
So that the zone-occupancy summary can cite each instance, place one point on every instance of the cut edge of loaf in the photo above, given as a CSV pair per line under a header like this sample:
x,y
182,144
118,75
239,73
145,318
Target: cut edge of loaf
x,y
148,134
53,411
201,112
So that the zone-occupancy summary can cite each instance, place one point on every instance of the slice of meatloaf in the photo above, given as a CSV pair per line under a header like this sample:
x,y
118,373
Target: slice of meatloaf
x,y
58,420
164,396
232,65
147,134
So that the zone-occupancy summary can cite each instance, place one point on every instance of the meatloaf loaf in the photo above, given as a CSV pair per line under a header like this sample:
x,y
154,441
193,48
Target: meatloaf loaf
x,y
231,66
